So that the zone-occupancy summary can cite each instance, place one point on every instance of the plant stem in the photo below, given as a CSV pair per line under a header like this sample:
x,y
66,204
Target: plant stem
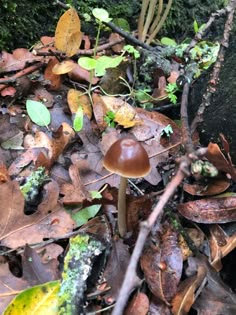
x,y
141,18
157,18
149,17
160,24
122,225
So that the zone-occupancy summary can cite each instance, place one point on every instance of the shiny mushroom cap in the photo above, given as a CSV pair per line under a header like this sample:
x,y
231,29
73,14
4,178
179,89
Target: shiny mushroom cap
x,y
126,157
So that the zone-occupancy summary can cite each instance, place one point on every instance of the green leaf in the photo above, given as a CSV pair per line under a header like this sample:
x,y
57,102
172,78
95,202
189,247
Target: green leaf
x,y
95,194
81,217
79,119
195,26
87,63
130,49
167,130
168,41
30,301
106,62
101,14
122,23
38,113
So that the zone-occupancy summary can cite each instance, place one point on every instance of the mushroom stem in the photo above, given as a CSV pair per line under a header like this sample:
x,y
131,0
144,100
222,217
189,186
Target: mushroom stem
x,y
122,225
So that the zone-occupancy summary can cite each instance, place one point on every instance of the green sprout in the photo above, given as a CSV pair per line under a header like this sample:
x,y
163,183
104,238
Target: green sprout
x,y
109,119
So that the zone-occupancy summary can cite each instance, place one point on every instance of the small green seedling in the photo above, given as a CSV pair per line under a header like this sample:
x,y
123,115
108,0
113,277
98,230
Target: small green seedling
x,y
109,119
79,119
171,89
167,131
99,66
131,50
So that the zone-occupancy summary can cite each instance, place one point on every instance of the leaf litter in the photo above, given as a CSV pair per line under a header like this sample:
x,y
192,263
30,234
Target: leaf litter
x,y
74,213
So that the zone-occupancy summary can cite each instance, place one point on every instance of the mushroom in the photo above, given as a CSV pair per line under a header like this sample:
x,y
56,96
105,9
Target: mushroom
x,y
127,158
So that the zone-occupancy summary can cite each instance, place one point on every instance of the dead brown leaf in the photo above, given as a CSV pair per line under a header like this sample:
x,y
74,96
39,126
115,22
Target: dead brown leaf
x,y
215,210
75,193
185,297
116,265
17,60
211,187
17,229
10,286
162,265
36,272
54,79
139,305
217,158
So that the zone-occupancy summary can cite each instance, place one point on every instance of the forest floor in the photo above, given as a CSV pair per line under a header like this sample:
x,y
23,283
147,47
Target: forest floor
x,y
63,105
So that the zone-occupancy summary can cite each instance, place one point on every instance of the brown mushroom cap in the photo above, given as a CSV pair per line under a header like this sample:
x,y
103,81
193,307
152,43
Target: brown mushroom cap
x,y
127,158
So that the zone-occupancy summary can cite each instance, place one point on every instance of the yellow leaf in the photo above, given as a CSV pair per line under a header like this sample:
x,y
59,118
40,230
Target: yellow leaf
x,y
76,99
125,114
68,35
64,67
39,300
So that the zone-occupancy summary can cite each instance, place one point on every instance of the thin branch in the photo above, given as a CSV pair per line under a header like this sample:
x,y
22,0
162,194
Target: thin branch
x,y
84,52
21,73
129,37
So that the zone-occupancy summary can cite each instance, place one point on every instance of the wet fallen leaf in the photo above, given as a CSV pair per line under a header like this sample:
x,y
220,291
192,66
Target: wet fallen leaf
x,y
212,187
216,297
220,245
80,74
185,297
217,158
114,271
36,272
215,210
161,267
139,305
8,91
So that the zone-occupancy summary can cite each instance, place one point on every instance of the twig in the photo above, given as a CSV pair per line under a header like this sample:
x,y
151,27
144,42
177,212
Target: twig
x,y
84,52
212,83
129,37
198,36
63,5
21,73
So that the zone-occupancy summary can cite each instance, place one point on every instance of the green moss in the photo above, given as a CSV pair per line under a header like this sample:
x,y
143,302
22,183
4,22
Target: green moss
x,y
77,268
179,23
23,22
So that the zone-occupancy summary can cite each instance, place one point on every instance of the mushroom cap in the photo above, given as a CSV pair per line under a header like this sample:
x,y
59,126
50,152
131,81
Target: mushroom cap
x,y
128,158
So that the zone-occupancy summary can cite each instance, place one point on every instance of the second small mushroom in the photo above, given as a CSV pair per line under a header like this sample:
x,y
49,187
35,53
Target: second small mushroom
x,y
127,158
